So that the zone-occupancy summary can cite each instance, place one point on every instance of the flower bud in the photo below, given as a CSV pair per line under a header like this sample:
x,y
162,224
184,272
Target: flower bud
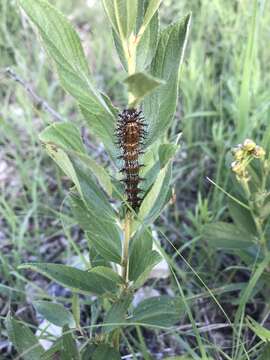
x,y
249,145
258,152
237,167
239,154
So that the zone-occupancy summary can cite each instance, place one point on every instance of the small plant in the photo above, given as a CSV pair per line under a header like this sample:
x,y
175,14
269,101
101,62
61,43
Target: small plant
x,y
249,205
115,208
247,235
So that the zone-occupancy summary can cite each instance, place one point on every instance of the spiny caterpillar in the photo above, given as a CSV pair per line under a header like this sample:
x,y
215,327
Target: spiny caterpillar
x,y
130,133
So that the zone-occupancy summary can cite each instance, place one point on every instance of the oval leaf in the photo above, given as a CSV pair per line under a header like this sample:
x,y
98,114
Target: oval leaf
x,y
162,311
23,339
63,46
122,15
227,236
141,84
159,106
156,198
99,281
56,314
105,236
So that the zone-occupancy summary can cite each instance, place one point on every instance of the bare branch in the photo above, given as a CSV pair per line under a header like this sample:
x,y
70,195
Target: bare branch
x,y
38,102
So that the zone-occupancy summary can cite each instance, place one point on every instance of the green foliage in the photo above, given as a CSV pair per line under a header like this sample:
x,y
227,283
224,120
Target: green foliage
x,y
151,9
104,236
258,329
116,316
221,83
156,198
165,153
104,352
224,235
63,46
266,353
140,250
159,108
116,233
122,15
69,349
140,84
160,311
99,280
23,339
56,314
248,208
149,39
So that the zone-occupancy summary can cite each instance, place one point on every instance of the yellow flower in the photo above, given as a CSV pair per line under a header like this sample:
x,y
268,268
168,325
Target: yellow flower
x,y
237,167
249,145
258,152
239,154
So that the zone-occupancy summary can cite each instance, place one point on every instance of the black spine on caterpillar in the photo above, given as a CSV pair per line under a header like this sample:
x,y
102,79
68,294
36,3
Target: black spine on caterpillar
x,y
130,132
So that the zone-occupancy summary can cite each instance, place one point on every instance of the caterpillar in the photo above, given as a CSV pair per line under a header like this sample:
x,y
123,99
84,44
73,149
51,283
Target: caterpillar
x,y
130,132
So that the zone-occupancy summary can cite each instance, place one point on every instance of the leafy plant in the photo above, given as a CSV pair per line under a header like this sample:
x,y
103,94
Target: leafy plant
x,y
119,235
249,206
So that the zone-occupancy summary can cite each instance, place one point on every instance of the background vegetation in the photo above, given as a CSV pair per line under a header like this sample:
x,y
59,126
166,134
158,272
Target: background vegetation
x,y
224,99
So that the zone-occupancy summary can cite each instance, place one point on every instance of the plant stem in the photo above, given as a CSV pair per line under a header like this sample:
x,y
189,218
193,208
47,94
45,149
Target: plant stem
x,y
125,256
116,339
131,63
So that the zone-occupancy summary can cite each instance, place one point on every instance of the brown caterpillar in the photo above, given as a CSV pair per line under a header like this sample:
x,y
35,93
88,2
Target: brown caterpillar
x,y
130,133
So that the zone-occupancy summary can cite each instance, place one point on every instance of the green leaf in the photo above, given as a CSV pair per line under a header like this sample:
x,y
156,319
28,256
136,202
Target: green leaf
x,y
87,351
66,136
142,258
103,127
122,15
161,311
166,152
145,266
147,45
117,313
53,351
105,236
159,106
156,198
152,8
105,352
76,169
76,313
64,47
23,339
69,350
97,171
264,211
141,243
259,330
141,84
148,42
242,217
56,314
99,280
58,32
227,236
93,196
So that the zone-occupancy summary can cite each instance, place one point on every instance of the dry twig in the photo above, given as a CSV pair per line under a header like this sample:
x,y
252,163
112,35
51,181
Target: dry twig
x,y
38,102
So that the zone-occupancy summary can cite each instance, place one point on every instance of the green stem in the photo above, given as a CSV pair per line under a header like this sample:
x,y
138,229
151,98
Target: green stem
x,y
259,227
116,339
125,255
